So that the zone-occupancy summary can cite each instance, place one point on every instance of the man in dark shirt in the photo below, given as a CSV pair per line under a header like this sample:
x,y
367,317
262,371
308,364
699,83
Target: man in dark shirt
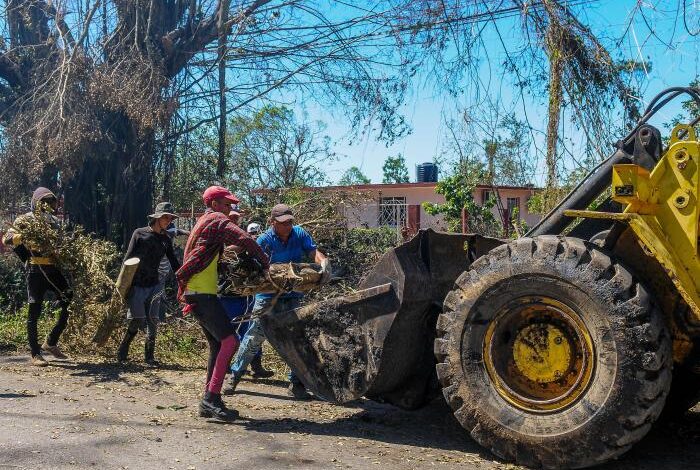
x,y
164,272
149,244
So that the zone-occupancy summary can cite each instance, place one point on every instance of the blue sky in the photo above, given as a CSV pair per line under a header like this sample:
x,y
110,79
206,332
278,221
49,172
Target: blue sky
x,y
427,107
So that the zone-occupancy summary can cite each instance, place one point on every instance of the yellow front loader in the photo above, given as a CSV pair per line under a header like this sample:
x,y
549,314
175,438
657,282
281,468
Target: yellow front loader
x,y
559,349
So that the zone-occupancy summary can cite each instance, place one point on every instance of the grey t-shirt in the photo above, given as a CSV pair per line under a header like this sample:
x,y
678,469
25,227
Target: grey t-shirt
x,y
164,269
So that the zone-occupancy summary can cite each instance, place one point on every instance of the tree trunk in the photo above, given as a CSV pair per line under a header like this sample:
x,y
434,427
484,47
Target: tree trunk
x,y
221,52
113,193
554,109
556,67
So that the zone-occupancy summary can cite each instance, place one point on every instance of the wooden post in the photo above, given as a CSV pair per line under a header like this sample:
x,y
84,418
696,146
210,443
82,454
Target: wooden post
x,y
121,289
465,220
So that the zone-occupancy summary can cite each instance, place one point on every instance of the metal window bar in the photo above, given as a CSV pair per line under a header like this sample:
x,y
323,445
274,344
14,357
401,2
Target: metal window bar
x,y
392,212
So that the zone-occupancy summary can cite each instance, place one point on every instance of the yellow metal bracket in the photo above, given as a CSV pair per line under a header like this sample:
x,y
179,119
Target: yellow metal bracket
x,y
597,215
662,209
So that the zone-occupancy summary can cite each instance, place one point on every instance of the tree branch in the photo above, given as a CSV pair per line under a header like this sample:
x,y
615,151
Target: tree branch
x,y
179,48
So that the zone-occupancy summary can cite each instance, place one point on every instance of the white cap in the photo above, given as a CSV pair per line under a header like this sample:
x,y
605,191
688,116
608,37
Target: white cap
x,y
254,228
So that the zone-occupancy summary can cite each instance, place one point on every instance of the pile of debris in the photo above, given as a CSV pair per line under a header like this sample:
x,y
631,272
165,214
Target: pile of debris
x,y
89,263
242,275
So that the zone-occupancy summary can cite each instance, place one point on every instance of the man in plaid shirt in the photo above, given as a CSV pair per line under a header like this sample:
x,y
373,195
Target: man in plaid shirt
x,y
198,284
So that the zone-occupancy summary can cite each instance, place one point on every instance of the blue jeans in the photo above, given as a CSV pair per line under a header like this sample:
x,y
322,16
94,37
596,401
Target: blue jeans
x,y
255,336
235,308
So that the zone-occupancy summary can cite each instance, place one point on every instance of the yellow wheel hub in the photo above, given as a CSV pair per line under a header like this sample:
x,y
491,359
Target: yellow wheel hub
x,y
538,354
542,353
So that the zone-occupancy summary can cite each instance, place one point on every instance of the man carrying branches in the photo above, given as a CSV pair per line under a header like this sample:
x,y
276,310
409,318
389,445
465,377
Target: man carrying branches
x,y
42,275
198,287
284,242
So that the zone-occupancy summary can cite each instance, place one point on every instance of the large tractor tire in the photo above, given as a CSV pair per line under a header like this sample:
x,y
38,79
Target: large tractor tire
x,y
551,354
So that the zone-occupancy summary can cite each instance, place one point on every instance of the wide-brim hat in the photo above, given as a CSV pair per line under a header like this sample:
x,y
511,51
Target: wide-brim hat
x,y
163,208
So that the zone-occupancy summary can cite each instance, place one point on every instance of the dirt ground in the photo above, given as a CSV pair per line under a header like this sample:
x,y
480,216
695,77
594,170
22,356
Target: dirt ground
x,y
87,414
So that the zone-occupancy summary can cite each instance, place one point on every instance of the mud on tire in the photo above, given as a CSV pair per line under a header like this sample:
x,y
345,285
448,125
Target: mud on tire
x,y
631,354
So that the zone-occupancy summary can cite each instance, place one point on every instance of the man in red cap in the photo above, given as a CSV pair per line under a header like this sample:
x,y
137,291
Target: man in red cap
x,y
197,280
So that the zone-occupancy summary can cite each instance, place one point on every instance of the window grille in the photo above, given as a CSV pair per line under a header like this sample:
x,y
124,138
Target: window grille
x,y
392,211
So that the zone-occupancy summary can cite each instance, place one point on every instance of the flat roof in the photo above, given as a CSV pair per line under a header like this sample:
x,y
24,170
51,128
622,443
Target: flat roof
x,y
379,186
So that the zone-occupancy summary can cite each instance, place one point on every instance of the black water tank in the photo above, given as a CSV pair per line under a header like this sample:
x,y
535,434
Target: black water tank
x,y
426,173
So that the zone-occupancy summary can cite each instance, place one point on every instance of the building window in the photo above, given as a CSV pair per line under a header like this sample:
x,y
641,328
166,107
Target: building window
x,y
514,208
486,196
392,211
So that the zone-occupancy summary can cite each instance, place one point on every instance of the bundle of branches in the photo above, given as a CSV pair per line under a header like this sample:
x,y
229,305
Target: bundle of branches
x,y
327,215
323,213
242,276
87,262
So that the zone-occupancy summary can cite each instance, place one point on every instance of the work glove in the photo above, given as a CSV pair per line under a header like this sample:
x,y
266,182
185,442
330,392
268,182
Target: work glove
x,y
325,271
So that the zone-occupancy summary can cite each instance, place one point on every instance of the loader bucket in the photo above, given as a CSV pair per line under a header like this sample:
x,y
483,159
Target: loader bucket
x,y
378,341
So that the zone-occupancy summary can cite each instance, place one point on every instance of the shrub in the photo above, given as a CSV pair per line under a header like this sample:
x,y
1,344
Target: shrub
x,y
13,290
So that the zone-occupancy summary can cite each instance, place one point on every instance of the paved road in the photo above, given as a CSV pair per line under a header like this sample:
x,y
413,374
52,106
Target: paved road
x,y
81,414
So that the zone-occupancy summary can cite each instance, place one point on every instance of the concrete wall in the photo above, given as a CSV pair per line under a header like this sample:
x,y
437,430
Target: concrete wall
x,y
367,215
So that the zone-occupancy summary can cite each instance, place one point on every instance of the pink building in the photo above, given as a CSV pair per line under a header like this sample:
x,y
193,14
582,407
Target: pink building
x,y
400,205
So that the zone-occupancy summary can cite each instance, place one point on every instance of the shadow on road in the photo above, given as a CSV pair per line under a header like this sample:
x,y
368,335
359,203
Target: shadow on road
x,y
668,446
113,372
276,396
671,445
432,427
16,395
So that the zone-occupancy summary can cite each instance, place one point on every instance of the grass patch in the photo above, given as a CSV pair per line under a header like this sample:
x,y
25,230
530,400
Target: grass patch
x,y
180,341
13,327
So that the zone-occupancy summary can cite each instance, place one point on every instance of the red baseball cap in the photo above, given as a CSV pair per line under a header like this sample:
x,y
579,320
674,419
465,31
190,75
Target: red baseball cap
x,y
218,192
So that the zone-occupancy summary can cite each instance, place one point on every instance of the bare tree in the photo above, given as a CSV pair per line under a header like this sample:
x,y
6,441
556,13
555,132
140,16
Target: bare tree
x,y
82,108
581,70
271,150
91,91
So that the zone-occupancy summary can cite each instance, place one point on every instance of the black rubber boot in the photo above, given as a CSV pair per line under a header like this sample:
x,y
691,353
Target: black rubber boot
x,y
123,351
149,353
298,391
212,406
259,372
230,387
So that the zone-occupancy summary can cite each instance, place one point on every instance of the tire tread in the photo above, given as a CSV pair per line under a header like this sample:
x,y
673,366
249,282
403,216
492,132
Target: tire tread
x,y
641,318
